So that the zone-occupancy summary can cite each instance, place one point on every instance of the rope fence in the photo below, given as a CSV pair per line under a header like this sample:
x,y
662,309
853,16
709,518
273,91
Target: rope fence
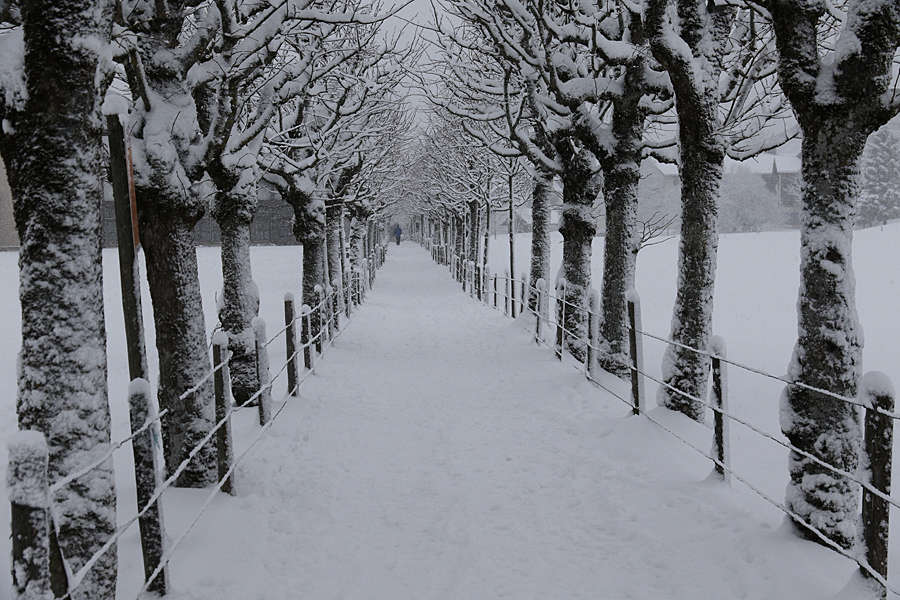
x,y
575,339
32,548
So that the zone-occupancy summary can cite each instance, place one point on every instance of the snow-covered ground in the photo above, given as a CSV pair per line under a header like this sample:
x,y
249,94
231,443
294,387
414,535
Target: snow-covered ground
x,y
437,453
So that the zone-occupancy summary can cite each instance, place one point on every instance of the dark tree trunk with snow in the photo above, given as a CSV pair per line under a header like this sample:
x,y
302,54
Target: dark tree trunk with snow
x,y
235,207
240,305
828,353
171,259
54,155
621,176
582,184
540,233
334,223
474,229
164,127
309,229
702,28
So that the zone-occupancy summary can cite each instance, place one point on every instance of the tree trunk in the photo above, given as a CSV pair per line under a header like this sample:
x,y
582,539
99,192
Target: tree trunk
x,y
702,156
171,259
622,174
240,305
313,276
581,187
53,150
511,230
703,28
334,217
237,202
474,229
828,353
487,238
540,233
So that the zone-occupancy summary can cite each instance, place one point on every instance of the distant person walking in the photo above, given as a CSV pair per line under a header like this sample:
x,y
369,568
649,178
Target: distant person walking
x,y
397,233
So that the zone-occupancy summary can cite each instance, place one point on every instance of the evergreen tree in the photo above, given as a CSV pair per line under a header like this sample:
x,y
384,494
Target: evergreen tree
x,y
880,197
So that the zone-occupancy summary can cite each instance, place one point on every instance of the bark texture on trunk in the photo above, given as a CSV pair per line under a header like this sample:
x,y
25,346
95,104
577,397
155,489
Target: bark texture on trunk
x,y
540,233
240,305
622,174
164,127
703,29
236,204
582,184
53,153
702,157
828,353
334,223
171,259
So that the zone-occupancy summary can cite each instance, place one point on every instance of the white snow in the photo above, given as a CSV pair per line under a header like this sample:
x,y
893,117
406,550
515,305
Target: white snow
x,y
875,384
438,453
28,451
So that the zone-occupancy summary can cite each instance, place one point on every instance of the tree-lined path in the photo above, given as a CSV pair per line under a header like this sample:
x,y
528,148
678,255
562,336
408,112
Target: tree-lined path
x,y
439,454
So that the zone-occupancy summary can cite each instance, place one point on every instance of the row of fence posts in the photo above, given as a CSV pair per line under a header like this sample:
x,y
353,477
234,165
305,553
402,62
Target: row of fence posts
x,y
38,569
878,426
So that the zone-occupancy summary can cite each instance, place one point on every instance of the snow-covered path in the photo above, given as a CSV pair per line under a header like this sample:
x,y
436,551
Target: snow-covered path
x,y
439,454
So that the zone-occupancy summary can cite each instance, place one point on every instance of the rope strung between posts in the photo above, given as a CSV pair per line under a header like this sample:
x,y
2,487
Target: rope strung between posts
x,y
565,304
837,470
75,579
177,542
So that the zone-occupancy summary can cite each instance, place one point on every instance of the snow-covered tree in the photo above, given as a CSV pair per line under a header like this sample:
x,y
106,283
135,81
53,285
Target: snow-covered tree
x,y
52,69
159,44
317,146
720,64
879,200
841,83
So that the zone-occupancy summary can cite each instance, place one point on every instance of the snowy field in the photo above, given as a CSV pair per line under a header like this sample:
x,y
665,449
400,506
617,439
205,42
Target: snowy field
x,y
437,454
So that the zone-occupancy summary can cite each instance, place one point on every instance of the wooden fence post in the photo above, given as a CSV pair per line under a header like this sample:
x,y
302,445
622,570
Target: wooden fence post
x,y
305,335
319,331
262,371
560,318
539,313
27,489
336,305
495,291
147,449
506,282
290,342
636,347
877,393
590,359
523,296
224,444
722,444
